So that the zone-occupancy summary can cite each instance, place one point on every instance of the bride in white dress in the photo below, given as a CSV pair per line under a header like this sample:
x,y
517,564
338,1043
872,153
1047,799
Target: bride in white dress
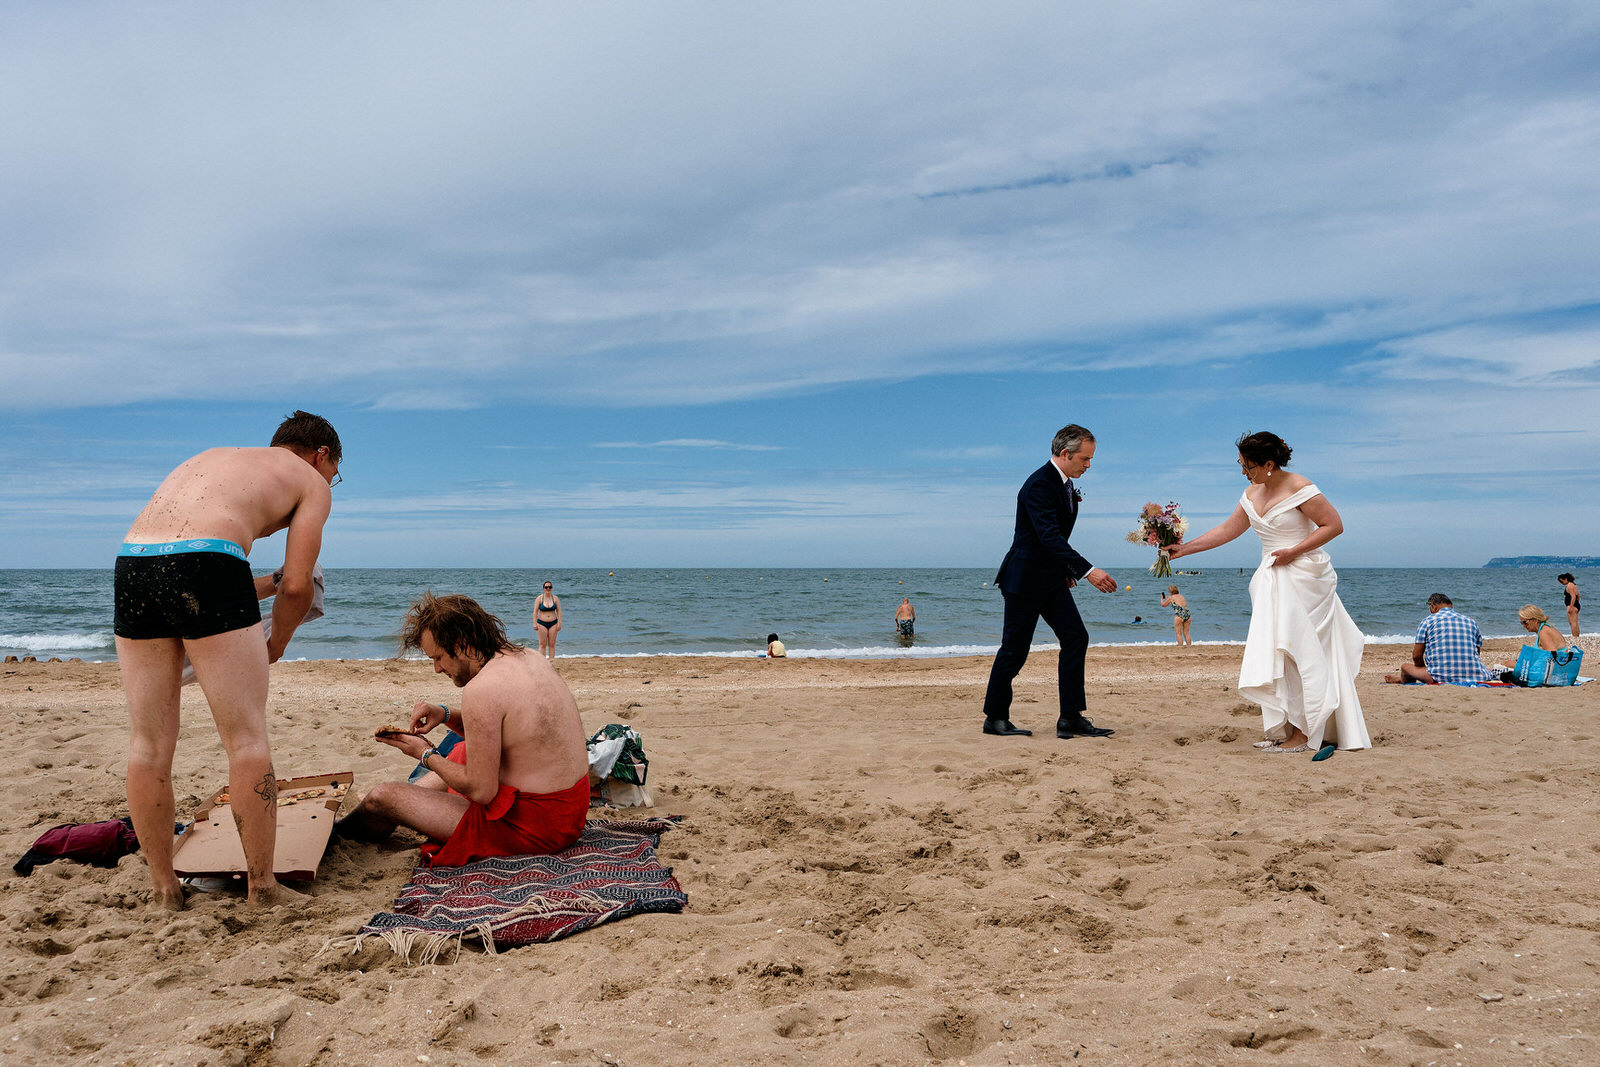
x,y
1303,650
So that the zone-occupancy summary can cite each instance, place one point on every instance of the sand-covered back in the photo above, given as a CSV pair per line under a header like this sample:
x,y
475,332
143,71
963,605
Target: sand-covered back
x,y
871,880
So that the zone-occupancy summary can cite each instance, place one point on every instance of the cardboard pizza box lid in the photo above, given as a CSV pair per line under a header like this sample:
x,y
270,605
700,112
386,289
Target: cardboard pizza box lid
x,y
307,806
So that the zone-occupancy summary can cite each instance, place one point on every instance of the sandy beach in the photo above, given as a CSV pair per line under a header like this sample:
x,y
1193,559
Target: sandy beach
x,y
873,881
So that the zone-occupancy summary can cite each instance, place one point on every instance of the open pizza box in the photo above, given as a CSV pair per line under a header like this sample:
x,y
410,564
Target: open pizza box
x,y
209,847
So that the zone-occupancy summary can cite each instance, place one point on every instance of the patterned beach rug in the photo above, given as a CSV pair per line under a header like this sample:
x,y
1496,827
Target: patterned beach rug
x,y
610,873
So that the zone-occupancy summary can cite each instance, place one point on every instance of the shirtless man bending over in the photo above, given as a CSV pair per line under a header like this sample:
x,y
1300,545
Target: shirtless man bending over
x,y
183,586
524,788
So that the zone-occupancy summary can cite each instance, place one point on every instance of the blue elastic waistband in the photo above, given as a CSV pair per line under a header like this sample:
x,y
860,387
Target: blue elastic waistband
x,y
194,544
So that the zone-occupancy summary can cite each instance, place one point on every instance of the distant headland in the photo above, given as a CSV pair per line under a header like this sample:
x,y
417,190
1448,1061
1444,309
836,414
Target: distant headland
x,y
1544,561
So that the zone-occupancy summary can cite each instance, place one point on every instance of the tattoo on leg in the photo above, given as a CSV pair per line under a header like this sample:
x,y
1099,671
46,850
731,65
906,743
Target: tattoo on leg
x,y
267,790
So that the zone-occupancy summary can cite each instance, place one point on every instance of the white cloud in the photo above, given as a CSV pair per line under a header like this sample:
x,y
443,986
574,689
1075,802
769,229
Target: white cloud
x,y
958,454
708,203
692,443
1498,355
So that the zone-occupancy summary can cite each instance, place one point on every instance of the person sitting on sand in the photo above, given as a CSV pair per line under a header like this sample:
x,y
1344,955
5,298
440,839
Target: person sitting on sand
x,y
1447,649
182,586
1536,622
775,647
905,619
524,787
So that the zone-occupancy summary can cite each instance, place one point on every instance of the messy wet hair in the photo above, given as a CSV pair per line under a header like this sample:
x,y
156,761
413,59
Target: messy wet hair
x,y
459,625
305,432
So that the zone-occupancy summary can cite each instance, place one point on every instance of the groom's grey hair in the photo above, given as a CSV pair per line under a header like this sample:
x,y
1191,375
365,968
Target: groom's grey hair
x,y
1440,598
1070,438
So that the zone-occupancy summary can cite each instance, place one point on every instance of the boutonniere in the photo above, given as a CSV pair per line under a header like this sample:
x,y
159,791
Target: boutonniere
x,y
1077,495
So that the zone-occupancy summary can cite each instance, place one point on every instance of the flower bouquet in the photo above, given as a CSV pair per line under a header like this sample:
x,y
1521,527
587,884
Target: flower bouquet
x,y
1160,527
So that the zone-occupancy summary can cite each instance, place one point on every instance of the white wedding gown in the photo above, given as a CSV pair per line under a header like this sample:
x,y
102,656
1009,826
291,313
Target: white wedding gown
x,y
1303,649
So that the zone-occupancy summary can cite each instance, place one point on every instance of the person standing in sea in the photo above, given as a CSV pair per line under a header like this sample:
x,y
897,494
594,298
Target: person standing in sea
x,y
1303,651
1181,615
1570,585
1036,578
905,619
183,586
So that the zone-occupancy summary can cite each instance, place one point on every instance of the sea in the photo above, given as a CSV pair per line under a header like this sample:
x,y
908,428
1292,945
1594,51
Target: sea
x,y
842,613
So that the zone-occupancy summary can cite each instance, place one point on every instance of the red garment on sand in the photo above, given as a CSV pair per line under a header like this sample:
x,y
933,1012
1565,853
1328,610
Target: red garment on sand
x,y
515,824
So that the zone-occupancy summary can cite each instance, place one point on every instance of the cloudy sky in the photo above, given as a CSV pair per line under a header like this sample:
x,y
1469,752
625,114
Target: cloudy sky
x,y
803,284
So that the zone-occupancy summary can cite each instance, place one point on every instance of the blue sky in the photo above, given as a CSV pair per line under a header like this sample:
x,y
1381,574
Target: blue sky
x,y
713,284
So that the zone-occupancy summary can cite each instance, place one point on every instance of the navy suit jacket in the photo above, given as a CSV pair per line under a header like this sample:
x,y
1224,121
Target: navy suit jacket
x,y
1041,560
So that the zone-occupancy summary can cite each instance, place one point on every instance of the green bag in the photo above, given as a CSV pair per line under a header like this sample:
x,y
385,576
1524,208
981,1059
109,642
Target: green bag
x,y
631,766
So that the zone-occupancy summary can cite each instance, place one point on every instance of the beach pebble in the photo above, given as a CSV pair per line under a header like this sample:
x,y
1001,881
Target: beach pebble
x,y
1490,998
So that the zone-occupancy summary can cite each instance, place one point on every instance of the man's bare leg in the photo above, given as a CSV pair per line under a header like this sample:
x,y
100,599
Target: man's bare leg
x,y
431,781
232,671
391,804
150,678
1409,672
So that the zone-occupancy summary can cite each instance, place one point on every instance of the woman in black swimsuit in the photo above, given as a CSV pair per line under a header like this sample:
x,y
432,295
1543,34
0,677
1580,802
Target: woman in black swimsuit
x,y
1573,606
547,621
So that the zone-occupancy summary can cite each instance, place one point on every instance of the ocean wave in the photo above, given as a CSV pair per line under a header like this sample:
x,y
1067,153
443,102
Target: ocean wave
x,y
863,652
57,642
878,651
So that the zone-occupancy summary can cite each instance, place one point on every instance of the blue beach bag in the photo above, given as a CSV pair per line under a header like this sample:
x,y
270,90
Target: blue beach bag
x,y
1564,664
1533,665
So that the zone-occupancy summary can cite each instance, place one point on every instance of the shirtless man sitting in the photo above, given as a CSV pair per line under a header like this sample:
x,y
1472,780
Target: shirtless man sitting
x,y
183,585
524,787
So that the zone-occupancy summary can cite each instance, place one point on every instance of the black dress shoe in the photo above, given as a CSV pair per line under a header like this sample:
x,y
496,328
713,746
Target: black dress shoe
x,y
1003,728
1080,727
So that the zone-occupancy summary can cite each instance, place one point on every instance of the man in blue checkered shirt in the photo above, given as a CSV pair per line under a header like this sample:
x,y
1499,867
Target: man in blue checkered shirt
x,y
1447,648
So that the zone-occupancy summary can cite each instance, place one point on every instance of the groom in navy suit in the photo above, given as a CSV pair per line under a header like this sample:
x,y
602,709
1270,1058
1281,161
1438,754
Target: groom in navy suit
x,y
1036,578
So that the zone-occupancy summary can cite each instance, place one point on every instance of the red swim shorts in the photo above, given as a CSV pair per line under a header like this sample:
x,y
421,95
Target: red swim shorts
x,y
515,824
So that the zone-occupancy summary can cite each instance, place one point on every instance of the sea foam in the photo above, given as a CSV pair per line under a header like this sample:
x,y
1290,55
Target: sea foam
x,y
57,642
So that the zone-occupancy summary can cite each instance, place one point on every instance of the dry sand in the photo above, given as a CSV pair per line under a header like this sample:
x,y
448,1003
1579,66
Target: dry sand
x,y
873,881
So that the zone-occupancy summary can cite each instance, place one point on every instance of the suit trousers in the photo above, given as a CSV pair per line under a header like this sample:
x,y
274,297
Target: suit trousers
x,y
1023,612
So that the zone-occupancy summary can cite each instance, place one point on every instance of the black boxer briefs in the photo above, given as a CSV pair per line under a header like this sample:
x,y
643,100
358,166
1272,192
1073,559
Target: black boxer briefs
x,y
185,594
